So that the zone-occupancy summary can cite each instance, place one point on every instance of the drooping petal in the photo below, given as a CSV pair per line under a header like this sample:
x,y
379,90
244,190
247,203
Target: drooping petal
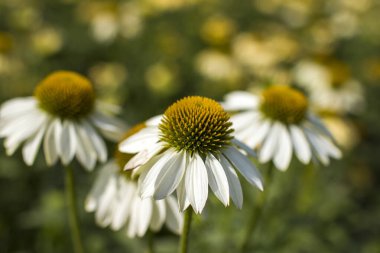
x,y
105,173
236,192
158,215
144,216
243,120
110,127
217,179
97,142
284,152
301,146
103,215
244,166
140,141
270,144
13,108
50,147
170,175
149,177
196,183
259,134
85,152
244,147
240,100
183,201
173,217
30,149
142,157
68,142
127,191
317,146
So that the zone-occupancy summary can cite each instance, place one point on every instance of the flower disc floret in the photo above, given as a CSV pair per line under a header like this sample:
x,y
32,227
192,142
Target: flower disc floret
x,y
66,94
197,125
284,104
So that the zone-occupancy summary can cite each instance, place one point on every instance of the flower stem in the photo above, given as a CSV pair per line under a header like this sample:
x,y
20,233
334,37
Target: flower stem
x,y
184,243
257,211
72,210
150,238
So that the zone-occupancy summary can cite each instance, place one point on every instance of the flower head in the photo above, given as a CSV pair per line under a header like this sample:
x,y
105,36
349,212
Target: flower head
x,y
64,116
278,122
115,200
188,149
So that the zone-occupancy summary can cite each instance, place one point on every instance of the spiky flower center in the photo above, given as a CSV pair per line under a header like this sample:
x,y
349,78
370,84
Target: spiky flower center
x,y
66,94
284,104
197,125
123,158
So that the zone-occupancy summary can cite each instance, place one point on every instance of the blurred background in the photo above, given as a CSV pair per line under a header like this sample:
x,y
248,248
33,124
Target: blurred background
x,y
145,54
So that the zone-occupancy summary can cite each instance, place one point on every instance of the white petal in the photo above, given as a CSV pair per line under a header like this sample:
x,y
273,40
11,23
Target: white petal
x,y
68,142
17,106
103,215
318,147
244,166
217,179
97,189
301,146
236,192
170,175
316,122
154,121
270,145
144,217
142,157
158,215
140,141
240,100
284,151
173,216
22,128
196,183
97,142
110,127
127,191
50,147
30,149
183,201
58,136
259,134
242,120
244,147
85,152
149,177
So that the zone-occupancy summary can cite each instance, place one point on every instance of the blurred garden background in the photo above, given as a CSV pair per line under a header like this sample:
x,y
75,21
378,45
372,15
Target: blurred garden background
x,y
145,54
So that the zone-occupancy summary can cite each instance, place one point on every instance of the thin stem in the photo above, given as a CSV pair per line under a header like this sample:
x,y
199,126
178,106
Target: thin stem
x,y
257,211
72,210
184,243
150,238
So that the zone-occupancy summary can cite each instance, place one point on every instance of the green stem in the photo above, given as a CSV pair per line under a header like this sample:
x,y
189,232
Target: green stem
x,y
72,210
150,242
184,243
257,211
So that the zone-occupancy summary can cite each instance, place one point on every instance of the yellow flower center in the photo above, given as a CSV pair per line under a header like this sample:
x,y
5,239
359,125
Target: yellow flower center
x,y
284,104
66,94
196,124
123,158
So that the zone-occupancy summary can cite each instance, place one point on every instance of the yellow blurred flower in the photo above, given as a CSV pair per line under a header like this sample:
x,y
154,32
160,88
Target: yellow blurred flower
x,y
161,79
47,41
6,42
217,30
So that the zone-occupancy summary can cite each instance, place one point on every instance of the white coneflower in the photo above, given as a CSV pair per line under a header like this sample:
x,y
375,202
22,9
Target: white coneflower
x,y
278,122
64,115
115,200
188,149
